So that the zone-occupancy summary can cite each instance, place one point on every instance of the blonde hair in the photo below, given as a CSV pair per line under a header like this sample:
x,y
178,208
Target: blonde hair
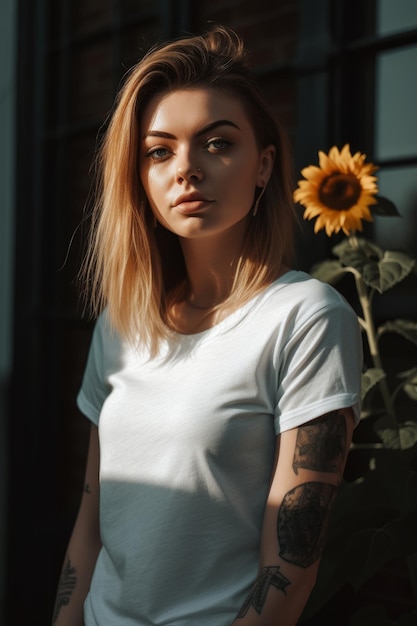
x,y
136,270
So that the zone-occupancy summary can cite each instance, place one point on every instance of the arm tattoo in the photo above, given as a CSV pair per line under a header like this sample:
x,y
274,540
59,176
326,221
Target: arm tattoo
x,y
66,586
321,444
302,522
87,488
268,577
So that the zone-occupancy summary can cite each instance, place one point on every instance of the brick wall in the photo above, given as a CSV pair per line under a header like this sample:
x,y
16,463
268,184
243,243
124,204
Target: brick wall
x,y
270,31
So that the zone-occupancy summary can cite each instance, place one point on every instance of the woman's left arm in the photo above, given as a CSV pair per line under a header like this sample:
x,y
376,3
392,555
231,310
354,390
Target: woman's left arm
x,y
308,470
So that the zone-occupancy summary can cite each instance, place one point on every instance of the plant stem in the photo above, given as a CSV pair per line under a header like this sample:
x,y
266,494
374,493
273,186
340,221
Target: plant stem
x,y
371,335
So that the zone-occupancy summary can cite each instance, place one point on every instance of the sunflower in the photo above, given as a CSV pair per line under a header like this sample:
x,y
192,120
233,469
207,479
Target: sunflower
x,y
339,192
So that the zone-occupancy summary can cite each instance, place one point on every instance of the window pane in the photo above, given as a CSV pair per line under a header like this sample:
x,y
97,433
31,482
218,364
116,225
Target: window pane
x,y
398,233
396,104
394,16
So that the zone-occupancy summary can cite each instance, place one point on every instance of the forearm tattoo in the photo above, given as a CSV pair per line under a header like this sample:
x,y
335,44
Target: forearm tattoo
x,y
321,444
66,586
268,577
302,522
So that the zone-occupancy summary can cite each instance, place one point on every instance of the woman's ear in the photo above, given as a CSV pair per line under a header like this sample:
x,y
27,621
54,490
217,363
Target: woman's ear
x,y
266,163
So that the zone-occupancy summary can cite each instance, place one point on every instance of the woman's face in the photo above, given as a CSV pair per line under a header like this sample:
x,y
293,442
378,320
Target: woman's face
x,y
199,161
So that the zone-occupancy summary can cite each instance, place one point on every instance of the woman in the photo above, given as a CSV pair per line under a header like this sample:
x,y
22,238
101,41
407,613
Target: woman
x,y
223,383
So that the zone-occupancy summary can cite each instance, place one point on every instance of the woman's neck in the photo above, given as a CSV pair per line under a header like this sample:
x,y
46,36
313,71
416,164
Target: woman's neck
x,y
204,299
211,265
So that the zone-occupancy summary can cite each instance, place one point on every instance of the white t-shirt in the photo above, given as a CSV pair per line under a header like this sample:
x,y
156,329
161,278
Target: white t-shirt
x,y
187,444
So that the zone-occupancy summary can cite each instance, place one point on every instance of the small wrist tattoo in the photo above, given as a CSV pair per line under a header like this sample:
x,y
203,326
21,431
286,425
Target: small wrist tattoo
x,y
66,586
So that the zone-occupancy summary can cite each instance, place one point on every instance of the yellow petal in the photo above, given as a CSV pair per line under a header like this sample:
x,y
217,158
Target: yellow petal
x,y
312,172
313,198
326,163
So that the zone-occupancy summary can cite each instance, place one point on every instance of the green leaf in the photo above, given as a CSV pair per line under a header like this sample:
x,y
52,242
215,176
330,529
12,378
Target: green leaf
x,y
387,272
357,251
384,207
406,328
410,382
370,378
328,271
396,437
379,270
408,434
390,438
410,386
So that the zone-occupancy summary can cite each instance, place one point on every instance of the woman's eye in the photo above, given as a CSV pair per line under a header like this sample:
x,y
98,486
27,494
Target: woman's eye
x,y
217,143
157,153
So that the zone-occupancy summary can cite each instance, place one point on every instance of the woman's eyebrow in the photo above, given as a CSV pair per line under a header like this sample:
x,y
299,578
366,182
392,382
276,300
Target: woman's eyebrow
x,y
202,131
158,133
214,125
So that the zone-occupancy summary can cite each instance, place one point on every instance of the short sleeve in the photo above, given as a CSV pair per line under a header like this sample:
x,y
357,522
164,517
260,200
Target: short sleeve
x,y
94,388
320,366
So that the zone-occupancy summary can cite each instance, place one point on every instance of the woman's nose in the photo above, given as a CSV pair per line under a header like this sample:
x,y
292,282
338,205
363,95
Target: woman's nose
x,y
188,171
190,174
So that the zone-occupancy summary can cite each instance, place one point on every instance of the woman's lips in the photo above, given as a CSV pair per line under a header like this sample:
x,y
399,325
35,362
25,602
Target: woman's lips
x,y
191,203
192,206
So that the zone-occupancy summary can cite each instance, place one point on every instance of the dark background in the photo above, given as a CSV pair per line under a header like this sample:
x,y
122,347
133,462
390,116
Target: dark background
x,y
317,62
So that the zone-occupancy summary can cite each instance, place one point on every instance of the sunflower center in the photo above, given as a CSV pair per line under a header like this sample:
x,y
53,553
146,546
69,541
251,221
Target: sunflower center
x,y
340,191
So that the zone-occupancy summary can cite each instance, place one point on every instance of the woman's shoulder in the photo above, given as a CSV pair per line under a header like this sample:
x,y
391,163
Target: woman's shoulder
x,y
300,292
301,285
105,337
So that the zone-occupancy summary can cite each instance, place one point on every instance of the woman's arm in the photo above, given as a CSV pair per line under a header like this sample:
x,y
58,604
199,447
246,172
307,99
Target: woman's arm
x,y
83,547
309,466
